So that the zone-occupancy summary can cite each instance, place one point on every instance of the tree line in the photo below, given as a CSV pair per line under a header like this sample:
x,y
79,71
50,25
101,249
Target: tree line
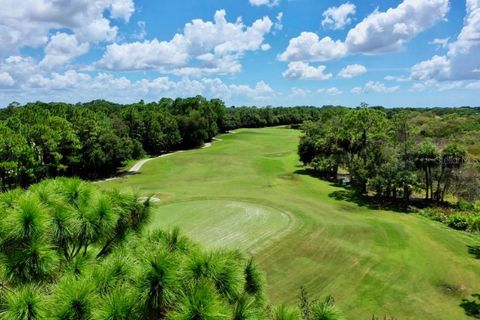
x,y
71,251
394,154
92,140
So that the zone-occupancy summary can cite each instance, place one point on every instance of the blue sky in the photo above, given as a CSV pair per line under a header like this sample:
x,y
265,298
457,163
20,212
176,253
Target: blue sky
x,y
247,52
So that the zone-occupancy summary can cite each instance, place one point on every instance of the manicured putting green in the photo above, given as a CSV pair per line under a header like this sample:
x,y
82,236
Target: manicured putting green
x,y
222,223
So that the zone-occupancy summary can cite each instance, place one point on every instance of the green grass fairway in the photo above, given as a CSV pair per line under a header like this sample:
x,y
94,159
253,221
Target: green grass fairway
x,y
372,261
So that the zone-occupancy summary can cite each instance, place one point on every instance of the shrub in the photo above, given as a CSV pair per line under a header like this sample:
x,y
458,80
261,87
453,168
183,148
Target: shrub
x,y
474,223
458,222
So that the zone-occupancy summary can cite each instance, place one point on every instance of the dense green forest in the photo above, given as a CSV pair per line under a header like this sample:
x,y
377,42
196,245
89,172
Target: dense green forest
x,y
92,140
429,157
397,154
71,251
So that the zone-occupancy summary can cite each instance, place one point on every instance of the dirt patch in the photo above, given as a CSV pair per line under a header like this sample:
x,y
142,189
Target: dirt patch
x,y
452,289
277,155
288,176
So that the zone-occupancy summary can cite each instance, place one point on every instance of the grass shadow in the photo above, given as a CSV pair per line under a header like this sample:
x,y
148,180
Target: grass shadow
x,y
474,251
347,193
351,195
472,306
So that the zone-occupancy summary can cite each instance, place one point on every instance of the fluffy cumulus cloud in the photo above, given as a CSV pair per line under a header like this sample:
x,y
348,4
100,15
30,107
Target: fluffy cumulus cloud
x,y
304,71
269,3
352,70
309,47
6,79
72,85
461,60
204,47
388,31
436,68
62,49
27,22
336,18
374,87
379,32
143,55
19,68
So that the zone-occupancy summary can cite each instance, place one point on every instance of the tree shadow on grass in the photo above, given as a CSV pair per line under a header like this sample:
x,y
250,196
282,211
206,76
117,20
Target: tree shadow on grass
x,y
349,194
474,251
472,306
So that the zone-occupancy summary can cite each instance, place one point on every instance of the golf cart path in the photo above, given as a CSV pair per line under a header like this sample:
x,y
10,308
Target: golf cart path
x,y
137,166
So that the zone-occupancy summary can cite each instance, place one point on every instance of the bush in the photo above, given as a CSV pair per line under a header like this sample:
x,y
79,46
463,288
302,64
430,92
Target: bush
x,y
474,224
465,206
434,214
458,222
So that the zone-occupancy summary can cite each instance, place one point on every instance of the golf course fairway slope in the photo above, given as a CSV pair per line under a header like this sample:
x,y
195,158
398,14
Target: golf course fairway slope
x,y
249,192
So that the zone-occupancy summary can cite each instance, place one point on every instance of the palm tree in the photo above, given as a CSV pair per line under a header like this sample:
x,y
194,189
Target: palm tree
x,y
452,157
426,159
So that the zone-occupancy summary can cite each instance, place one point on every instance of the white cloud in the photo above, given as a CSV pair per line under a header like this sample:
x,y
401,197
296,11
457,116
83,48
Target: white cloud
x,y
72,86
309,47
461,61
122,9
203,47
473,85
145,55
440,42
388,31
449,85
269,3
436,68
28,22
62,49
19,68
6,79
57,81
142,33
299,92
397,78
265,47
374,87
304,71
417,87
96,31
444,85
379,32
336,18
333,91
352,70
278,25
378,87
356,90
